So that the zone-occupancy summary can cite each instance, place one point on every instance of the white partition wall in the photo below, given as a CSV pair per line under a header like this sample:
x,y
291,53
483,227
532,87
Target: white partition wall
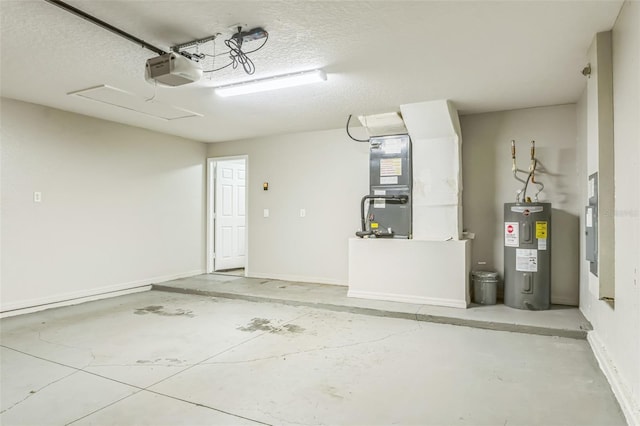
x,y
411,271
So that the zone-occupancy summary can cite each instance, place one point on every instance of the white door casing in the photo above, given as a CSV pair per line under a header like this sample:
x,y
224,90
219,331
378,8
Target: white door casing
x,y
230,214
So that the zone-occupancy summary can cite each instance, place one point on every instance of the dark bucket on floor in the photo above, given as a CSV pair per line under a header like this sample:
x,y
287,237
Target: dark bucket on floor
x,y
485,287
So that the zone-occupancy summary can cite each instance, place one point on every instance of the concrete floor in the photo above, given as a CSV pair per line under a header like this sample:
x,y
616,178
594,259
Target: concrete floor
x,y
162,358
562,321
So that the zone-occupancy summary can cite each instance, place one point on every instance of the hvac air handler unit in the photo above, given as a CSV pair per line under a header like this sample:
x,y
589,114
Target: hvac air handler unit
x,y
527,244
386,211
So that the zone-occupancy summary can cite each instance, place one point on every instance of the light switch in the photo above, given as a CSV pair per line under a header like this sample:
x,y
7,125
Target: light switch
x,y
303,212
37,197
265,213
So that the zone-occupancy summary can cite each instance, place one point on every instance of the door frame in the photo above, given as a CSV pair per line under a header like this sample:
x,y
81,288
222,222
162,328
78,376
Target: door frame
x,y
211,187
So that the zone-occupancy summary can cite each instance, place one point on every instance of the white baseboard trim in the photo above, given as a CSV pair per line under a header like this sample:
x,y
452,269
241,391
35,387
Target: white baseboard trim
x,y
630,408
296,278
70,302
77,297
391,297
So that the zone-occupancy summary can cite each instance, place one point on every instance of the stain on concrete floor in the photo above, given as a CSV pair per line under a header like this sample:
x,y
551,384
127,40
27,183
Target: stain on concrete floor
x,y
159,310
263,324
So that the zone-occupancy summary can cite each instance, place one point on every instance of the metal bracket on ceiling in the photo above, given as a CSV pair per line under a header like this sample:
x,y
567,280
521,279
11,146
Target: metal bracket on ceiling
x,y
179,47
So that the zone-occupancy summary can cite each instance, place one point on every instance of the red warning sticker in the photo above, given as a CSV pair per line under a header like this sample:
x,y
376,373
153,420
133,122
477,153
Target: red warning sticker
x,y
511,234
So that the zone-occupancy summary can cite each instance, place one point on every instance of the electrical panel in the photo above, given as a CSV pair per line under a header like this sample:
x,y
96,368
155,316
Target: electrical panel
x,y
591,225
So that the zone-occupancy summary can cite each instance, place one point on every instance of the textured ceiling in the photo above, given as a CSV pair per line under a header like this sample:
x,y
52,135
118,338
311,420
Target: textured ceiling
x,y
485,56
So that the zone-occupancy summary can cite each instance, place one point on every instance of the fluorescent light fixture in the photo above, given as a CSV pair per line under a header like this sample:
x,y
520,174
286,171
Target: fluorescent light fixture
x,y
272,83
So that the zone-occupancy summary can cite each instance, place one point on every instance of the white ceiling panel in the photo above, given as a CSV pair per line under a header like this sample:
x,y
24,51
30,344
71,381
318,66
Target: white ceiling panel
x,y
119,98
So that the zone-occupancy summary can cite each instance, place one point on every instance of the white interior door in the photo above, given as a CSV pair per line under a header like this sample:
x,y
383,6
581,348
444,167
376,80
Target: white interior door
x,y
230,212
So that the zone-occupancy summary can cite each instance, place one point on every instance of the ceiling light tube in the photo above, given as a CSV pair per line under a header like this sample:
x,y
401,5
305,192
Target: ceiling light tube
x,y
272,83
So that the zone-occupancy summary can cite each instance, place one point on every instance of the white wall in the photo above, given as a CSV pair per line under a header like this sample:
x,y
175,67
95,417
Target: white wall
x,y
121,206
616,335
325,173
489,183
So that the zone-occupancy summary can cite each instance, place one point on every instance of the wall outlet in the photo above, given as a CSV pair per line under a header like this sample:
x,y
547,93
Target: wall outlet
x,y
303,212
265,213
37,197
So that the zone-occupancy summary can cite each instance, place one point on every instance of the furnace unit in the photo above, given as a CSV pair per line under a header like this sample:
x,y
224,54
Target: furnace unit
x,y
386,211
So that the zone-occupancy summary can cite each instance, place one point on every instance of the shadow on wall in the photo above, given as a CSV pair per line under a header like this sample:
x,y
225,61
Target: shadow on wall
x,y
556,174
565,256
560,190
481,217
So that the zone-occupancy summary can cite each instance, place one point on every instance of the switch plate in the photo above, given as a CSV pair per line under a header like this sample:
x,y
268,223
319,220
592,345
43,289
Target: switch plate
x,y
37,197
303,212
265,213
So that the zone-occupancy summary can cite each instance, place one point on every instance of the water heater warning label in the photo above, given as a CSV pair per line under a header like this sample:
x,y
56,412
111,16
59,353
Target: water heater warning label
x,y
541,229
526,260
542,243
511,234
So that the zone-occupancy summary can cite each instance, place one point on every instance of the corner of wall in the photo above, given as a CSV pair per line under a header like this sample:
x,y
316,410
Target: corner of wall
x,y
623,394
